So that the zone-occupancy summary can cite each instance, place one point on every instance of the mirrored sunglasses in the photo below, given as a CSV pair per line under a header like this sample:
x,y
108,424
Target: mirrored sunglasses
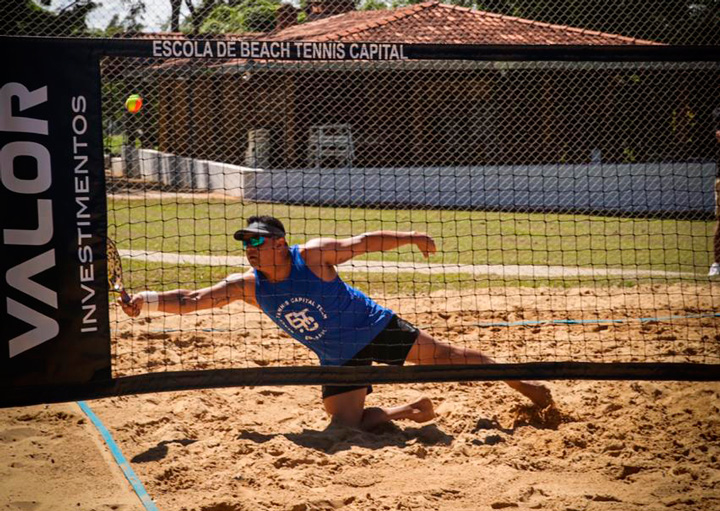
x,y
254,242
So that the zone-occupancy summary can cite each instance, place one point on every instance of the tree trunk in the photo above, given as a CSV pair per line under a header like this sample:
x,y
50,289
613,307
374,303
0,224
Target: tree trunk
x,y
175,15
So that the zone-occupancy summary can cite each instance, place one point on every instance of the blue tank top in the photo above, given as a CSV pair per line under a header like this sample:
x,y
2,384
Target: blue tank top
x,y
333,319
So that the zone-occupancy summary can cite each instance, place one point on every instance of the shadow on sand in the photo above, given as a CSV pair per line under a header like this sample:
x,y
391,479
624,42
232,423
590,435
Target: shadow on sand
x,y
337,438
160,450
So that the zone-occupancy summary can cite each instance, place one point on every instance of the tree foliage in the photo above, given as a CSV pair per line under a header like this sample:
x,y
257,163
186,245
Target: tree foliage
x,y
372,5
27,17
224,19
130,22
667,21
198,14
243,16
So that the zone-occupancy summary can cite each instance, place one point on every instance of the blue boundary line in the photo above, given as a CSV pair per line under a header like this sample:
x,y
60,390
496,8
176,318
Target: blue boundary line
x,y
538,322
592,321
119,458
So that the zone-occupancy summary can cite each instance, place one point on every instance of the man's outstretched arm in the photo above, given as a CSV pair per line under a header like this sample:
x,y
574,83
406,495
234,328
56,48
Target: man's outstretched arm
x,y
183,301
333,251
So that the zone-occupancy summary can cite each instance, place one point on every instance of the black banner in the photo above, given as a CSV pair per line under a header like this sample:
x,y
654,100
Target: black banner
x,y
54,310
200,47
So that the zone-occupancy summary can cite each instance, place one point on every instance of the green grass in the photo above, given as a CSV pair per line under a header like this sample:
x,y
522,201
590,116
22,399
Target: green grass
x,y
463,237
141,275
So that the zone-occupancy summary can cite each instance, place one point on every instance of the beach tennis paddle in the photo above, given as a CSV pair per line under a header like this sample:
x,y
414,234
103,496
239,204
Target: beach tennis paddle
x,y
115,273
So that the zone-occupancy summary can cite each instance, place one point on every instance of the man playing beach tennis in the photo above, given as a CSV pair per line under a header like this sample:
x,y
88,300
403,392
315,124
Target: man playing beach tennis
x,y
298,287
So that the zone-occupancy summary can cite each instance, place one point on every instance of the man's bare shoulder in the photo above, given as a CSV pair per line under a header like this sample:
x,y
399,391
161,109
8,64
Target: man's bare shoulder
x,y
241,275
313,249
318,243
240,278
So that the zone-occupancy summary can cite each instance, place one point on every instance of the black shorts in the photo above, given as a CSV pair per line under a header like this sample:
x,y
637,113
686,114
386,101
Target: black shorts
x,y
391,347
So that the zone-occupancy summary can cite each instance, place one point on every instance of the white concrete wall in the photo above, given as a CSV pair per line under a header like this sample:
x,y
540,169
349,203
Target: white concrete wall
x,y
632,188
636,188
186,173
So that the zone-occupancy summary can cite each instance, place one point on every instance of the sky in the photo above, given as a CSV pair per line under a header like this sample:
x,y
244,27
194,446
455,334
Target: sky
x,y
156,15
157,12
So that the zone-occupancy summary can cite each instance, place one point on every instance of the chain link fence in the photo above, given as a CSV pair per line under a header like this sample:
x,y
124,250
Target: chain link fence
x,y
571,202
687,22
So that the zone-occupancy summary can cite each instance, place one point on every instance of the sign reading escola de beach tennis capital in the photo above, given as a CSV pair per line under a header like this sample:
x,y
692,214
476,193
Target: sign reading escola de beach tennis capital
x,y
278,50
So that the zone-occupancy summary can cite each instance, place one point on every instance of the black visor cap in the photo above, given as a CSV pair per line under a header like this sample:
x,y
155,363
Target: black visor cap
x,y
259,229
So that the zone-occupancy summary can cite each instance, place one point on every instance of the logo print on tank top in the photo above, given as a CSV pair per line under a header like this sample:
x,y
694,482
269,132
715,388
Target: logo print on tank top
x,y
301,321
303,316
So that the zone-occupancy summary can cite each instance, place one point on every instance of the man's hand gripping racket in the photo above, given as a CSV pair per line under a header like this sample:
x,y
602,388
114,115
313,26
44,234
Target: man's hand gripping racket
x,y
115,273
132,305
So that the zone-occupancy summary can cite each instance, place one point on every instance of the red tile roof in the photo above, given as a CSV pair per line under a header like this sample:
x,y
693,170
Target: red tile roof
x,y
433,22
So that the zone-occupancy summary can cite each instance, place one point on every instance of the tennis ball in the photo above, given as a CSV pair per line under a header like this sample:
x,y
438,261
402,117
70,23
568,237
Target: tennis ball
x,y
133,103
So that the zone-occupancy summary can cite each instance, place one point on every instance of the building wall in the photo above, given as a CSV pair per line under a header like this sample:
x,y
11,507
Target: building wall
x,y
447,117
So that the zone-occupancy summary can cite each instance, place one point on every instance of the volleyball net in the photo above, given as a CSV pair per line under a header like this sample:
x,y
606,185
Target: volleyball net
x,y
570,192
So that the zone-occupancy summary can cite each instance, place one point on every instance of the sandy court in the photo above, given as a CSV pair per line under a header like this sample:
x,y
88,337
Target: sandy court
x,y
614,446
611,446
53,458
